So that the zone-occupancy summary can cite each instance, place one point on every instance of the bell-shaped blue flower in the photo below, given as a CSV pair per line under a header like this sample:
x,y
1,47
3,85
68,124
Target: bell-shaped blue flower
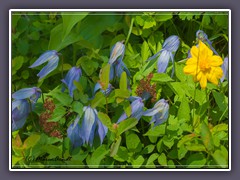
x,y
24,101
28,93
169,48
116,61
73,133
73,74
201,35
20,110
49,56
117,52
90,125
159,112
99,87
137,106
225,69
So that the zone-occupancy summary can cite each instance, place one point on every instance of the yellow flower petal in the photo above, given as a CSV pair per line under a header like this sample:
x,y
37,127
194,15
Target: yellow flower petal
x,y
194,52
215,60
190,69
192,61
203,81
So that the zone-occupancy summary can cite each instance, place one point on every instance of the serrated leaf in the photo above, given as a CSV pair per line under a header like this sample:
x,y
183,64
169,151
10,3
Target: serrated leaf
x,y
145,51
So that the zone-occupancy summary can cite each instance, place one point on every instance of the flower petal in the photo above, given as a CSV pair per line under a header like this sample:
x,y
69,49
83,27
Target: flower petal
x,y
163,61
47,56
102,130
203,81
23,93
87,124
117,50
48,68
215,60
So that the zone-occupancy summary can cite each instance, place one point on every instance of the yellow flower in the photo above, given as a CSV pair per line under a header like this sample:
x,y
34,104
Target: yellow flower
x,y
203,65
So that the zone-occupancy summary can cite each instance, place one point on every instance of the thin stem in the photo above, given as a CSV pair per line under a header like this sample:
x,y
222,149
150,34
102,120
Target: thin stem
x,y
62,67
130,30
106,104
32,114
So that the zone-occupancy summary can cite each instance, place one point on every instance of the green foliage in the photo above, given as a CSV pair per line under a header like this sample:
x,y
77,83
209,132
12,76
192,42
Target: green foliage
x,y
195,134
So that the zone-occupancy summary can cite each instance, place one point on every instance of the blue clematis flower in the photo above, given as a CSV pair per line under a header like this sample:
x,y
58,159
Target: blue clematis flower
x,y
20,110
136,107
73,74
225,69
32,93
201,35
90,125
169,48
73,133
116,61
117,52
159,112
105,92
24,102
52,58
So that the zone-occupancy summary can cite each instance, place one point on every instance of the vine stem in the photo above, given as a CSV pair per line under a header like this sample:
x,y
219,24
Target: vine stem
x,y
130,30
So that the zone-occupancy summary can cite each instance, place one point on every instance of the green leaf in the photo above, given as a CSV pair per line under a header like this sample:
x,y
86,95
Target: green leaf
x,y
220,128
31,141
52,150
185,139
16,159
25,74
206,137
115,146
126,125
104,76
133,143
17,63
163,16
97,156
122,154
99,98
156,131
77,107
88,65
58,113
182,151
121,93
63,98
151,159
70,19
184,109
148,149
123,81
145,52
162,160
105,120
161,77
221,157
136,163
196,161
221,101
195,147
